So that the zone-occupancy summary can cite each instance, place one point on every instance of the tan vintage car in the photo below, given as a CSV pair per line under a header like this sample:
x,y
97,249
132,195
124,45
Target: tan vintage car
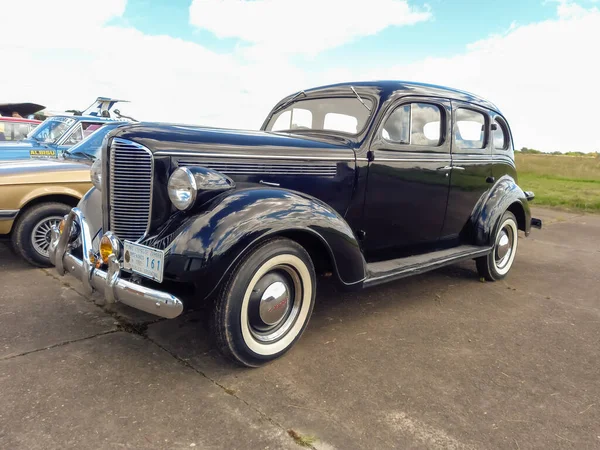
x,y
36,194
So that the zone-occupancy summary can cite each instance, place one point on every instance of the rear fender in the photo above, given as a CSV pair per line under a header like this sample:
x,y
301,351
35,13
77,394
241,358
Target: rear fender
x,y
504,195
212,240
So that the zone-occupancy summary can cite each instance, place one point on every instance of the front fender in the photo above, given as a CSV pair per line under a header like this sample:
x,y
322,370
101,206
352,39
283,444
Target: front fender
x,y
504,194
209,243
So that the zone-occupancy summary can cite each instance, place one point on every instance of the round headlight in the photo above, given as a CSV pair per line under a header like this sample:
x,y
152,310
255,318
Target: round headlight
x,y
96,173
182,188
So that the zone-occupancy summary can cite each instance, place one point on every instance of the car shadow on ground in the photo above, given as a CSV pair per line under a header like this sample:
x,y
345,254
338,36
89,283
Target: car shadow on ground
x,y
188,337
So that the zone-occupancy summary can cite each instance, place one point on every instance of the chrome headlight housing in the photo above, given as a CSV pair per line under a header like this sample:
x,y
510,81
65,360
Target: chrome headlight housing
x,y
96,173
182,188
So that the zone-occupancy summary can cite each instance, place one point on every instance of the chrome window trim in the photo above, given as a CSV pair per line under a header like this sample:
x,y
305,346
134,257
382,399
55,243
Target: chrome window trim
x,y
248,156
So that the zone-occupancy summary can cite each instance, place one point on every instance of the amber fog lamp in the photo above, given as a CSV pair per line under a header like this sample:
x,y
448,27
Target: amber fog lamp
x,y
61,226
109,245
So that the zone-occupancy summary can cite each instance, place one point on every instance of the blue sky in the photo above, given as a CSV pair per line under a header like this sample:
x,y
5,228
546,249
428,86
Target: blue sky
x,y
453,26
226,62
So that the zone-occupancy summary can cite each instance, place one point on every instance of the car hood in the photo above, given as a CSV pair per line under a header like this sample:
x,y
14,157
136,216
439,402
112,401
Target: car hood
x,y
43,171
185,138
25,144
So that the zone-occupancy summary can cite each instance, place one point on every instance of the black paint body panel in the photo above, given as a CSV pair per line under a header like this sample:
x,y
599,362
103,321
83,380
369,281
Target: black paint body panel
x,y
363,198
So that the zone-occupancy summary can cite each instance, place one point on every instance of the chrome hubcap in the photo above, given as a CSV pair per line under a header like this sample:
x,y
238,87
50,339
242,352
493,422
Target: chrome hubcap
x,y
40,236
504,246
274,304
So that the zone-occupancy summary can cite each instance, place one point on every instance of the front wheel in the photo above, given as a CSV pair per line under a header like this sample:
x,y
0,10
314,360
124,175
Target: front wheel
x,y
31,234
266,303
497,264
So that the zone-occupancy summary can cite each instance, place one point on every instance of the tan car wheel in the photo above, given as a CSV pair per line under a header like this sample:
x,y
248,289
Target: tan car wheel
x,y
31,233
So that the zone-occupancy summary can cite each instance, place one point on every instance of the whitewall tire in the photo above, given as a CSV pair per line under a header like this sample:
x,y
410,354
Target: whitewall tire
x,y
498,263
266,303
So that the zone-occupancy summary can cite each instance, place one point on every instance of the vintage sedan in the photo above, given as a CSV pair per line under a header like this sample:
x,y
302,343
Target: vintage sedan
x,y
36,193
370,181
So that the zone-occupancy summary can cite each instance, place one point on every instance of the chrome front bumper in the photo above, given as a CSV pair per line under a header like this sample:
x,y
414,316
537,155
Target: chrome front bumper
x,y
109,283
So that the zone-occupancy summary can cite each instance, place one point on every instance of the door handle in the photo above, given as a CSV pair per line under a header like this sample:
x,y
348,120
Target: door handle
x,y
448,168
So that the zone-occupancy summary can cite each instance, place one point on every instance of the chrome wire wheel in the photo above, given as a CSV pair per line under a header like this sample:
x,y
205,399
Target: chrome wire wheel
x,y
505,247
40,235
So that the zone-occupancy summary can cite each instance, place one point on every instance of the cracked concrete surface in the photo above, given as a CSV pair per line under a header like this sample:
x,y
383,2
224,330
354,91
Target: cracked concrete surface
x,y
436,361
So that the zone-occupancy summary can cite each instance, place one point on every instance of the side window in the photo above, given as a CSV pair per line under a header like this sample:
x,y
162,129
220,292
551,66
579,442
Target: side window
x,y
414,124
470,129
75,137
500,135
88,128
9,131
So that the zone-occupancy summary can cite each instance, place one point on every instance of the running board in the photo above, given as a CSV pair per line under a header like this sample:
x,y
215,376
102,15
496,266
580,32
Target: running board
x,y
394,269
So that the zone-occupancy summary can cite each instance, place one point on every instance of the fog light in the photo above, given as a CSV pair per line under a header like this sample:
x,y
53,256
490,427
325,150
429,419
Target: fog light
x,y
109,245
61,226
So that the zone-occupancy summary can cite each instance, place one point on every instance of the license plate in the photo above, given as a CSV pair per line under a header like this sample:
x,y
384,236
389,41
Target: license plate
x,y
146,261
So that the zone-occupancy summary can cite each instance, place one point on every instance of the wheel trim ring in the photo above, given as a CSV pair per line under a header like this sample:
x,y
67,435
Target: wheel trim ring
x,y
286,340
510,256
40,233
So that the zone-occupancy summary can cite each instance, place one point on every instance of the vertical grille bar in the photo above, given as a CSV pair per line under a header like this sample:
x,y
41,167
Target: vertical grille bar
x,y
131,170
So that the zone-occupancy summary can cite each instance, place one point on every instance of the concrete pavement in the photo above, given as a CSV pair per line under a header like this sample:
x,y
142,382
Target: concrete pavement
x,y
437,361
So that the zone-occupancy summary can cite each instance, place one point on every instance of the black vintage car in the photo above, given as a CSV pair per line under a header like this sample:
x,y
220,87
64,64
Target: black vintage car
x,y
370,181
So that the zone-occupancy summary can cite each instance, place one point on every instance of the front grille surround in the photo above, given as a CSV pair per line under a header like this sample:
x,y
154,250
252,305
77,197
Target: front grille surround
x,y
131,179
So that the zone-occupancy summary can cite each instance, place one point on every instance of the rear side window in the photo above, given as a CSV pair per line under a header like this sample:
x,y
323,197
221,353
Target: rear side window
x,y
500,135
414,124
13,131
470,129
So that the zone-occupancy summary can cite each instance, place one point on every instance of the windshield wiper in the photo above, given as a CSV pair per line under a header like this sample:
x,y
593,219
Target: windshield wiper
x,y
359,98
288,102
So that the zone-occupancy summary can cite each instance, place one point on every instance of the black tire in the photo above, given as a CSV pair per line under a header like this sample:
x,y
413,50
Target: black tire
x,y
276,278
27,222
498,263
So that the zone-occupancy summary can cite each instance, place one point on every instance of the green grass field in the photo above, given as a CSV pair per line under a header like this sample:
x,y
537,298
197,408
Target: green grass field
x,y
570,182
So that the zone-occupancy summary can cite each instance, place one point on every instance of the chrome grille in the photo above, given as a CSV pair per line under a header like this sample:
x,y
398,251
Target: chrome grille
x,y
250,168
130,189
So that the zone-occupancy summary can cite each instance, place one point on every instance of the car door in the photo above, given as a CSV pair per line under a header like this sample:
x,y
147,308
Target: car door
x,y
408,178
471,174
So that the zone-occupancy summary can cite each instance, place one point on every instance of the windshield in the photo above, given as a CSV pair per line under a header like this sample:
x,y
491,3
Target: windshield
x,y
52,129
339,114
91,146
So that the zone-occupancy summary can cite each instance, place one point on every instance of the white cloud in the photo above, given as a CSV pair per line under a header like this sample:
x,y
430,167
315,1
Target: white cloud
x,y
300,27
542,75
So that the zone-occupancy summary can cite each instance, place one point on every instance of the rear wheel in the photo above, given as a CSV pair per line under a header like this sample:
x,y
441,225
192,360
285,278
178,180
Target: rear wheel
x,y
266,303
31,235
498,263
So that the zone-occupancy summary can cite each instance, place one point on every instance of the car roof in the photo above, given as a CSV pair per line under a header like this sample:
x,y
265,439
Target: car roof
x,y
18,120
89,118
386,88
